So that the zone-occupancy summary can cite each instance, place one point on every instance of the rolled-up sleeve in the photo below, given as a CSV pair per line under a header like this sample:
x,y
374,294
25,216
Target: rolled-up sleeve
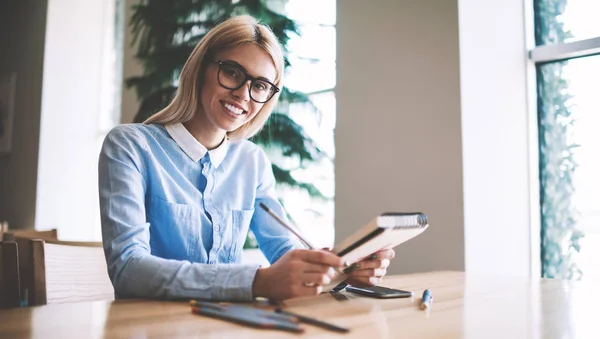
x,y
133,270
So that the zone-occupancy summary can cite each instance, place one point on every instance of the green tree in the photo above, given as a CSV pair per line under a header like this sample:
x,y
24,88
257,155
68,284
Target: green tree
x,y
168,31
560,238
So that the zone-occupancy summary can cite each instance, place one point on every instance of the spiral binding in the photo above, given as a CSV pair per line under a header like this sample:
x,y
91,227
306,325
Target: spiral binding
x,y
402,220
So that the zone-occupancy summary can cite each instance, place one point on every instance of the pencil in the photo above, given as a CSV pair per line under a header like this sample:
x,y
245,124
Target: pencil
x,y
314,322
289,227
248,319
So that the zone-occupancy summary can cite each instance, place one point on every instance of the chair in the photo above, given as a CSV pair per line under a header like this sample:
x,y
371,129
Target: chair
x,y
65,271
9,235
3,227
62,271
10,295
11,269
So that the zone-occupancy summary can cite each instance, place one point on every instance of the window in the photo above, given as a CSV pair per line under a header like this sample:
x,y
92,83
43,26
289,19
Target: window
x,y
80,103
567,63
312,57
112,78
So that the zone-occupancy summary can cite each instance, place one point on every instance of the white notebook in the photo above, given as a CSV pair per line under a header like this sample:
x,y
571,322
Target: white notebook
x,y
385,231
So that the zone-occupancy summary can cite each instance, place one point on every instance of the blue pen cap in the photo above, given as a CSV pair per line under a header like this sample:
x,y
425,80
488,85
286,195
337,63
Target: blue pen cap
x,y
427,299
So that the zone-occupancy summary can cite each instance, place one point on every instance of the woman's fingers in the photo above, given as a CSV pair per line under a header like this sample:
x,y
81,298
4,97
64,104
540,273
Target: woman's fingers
x,y
385,254
364,281
314,279
304,290
316,268
368,264
370,272
319,257
385,263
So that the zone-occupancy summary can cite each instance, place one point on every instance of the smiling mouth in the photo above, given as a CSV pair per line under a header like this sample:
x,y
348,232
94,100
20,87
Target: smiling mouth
x,y
233,110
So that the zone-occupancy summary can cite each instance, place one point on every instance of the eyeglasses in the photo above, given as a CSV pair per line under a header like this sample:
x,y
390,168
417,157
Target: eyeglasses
x,y
233,76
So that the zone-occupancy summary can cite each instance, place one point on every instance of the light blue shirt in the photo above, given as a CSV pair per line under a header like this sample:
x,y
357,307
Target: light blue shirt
x,y
175,215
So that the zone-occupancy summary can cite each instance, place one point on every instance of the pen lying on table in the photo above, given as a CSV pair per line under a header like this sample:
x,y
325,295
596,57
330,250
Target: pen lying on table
x,y
314,322
247,315
426,300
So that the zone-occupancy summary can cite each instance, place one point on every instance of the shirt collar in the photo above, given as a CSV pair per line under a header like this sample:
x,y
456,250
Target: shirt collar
x,y
193,148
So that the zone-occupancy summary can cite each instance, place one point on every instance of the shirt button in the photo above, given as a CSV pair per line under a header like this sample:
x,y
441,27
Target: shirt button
x,y
212,262
217,228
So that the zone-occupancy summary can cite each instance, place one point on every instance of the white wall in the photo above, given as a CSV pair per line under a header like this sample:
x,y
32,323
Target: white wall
x,y
407,139
496,134
398,133
72,99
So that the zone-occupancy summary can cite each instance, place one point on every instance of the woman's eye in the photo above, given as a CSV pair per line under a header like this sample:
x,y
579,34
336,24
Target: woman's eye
x,y
260,86
231,72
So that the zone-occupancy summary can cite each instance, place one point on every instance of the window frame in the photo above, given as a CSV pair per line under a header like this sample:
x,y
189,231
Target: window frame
x,y
565,51
536,56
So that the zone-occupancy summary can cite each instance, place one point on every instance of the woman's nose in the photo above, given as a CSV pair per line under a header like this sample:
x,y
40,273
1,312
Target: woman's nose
x,y
243,92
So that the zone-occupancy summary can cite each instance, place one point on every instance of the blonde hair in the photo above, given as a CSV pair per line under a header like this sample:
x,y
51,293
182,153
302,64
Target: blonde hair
x,y
231,33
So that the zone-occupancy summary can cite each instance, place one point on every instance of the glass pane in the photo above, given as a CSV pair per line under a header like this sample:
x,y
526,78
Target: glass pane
x,y
112,66
559,21
312,11
569,126
312,58
310,76
321,12
314,42
317,119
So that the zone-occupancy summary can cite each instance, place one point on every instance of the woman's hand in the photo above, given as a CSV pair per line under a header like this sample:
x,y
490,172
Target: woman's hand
x,y
369,271
298,273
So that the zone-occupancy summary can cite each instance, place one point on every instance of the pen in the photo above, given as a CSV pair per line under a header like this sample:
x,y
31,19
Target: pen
x,y
240,308
426,300
291,229
248,319
195,303
247,315
314,322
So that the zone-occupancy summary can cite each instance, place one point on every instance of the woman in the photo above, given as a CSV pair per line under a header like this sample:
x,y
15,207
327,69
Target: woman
x,y
179,192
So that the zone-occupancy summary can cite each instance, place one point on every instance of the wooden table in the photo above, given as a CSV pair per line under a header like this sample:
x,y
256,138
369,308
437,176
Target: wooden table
x,y
462,308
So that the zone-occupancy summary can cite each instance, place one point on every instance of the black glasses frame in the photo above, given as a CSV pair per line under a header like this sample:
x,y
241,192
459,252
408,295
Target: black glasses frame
x,y
246,78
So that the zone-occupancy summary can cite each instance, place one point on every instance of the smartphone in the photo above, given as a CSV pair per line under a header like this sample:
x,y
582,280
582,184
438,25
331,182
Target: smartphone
x,y
379,292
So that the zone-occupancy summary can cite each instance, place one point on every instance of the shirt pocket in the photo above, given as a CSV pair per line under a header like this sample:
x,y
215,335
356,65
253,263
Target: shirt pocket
x,y
174,229
174,210
240,224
